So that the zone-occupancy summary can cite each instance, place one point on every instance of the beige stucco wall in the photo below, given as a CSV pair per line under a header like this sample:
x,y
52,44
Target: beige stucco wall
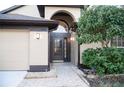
x,y
19,47
14,49
50,11
38,48
74,49
28,10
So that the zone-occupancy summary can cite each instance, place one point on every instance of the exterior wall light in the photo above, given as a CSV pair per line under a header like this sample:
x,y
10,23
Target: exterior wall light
x,y
37,36
72,39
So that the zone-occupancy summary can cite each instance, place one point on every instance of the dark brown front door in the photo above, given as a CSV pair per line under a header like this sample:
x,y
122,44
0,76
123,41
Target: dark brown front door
x,y
57,49
60,46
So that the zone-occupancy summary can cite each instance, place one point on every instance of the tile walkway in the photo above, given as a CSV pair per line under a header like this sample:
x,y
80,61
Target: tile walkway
x,y
68,75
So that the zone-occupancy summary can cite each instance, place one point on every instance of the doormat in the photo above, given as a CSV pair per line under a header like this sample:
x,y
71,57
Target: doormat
x,y
49,74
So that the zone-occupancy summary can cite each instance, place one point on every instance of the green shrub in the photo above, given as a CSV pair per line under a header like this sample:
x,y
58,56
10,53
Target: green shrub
x,y
105,60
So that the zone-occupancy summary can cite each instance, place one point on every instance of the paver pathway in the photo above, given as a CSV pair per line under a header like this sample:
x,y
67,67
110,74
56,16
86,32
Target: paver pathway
x,y
67,76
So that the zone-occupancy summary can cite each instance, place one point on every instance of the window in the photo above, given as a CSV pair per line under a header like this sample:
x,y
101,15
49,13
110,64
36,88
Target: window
x,y
117,41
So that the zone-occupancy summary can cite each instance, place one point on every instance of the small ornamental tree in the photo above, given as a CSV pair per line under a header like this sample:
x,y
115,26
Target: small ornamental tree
x,y
100,24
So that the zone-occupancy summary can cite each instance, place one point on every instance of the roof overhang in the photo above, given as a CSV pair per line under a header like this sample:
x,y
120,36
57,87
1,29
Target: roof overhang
x,y
31,21
50,24
70,6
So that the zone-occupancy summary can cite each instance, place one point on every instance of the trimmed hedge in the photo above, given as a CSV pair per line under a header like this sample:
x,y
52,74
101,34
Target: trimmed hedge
x,y
104,60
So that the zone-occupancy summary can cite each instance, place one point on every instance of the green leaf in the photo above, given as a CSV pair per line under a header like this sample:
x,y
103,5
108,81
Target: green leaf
x,y
100,23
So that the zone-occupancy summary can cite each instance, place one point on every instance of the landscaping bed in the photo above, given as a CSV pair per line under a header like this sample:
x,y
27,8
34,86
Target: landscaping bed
x,y
102,24
112,80
106,67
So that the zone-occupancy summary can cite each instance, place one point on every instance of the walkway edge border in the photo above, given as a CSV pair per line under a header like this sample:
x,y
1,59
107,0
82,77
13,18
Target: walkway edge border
x,y
80,74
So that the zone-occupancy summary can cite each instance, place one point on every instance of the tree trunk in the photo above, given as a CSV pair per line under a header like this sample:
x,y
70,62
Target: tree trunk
x,y
104,43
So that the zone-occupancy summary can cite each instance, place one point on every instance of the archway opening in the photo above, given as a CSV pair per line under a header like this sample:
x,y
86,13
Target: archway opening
x,y
65,19
61,42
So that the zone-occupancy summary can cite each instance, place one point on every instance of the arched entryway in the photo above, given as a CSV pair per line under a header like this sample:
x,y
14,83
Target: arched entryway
x,y
62,39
